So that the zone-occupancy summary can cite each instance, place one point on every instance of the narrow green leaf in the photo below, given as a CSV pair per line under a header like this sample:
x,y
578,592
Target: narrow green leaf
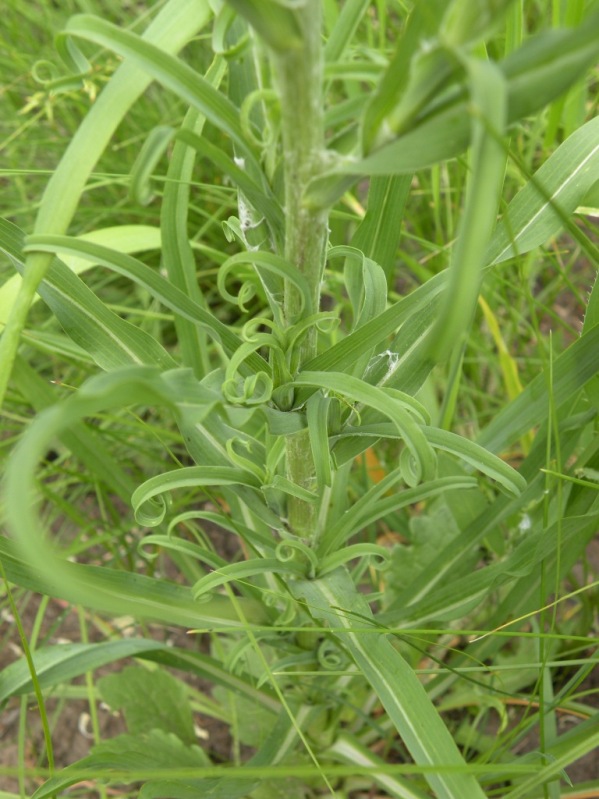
x,y
345,27
317,414
378,233
151,512
422,463
477,456
483,188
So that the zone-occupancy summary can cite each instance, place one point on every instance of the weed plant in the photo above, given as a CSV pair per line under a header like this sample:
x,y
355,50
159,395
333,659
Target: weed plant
x,y
298,264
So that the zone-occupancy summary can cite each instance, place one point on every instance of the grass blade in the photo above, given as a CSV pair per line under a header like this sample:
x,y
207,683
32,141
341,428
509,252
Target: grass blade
x,y
334,600
110,340
483,188
563,181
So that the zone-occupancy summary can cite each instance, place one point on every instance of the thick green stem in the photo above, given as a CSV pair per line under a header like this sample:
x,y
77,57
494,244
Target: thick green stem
x,y
298,75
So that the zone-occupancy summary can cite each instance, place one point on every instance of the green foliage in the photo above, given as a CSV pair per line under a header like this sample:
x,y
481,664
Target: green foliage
x,y
264,405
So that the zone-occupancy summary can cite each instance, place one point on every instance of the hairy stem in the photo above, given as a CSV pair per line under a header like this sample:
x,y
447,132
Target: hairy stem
x,y
298,76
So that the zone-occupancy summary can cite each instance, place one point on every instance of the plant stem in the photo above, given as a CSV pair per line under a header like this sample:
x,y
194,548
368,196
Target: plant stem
x,y
298,77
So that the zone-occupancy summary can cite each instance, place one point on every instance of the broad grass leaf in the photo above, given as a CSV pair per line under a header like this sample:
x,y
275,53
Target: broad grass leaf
x,y
432,69
569,747
365,282
334,600
590,203
124,238
422,25
59,664
149,700
349,750
591,320
591,317
366,287
466,22
458,596
110,340
342,355
554,192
